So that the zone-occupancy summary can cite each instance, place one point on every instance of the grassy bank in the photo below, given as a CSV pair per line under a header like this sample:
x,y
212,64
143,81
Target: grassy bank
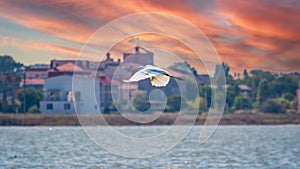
x,y
164,119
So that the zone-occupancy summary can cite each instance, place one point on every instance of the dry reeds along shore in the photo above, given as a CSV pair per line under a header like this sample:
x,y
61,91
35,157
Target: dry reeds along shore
x,y
164,119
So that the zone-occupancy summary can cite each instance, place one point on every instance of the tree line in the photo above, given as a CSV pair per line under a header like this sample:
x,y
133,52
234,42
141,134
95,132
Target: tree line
x,y
16,103
270,92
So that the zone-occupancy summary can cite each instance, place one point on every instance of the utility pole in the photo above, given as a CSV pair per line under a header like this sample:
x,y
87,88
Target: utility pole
x,y
24,88
25,91
137,41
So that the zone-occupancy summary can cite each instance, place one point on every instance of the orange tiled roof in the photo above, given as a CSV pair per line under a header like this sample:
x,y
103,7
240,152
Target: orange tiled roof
x,y
68,67
36,81
108,80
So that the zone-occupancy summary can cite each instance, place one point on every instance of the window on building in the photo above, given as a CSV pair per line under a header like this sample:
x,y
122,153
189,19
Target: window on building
x,y
49,106
53,95
67,106
92,65
107,87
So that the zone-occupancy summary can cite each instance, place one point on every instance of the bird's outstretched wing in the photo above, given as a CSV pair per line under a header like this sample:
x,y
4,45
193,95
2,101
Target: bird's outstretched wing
x,y
158,76
142,74
160,80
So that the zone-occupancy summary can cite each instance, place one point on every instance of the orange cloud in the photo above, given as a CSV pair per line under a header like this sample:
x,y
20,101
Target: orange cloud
x,y
264,33
274,19
267,34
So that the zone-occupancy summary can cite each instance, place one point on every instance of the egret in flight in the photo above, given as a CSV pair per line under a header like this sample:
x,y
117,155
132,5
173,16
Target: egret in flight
x,y
158,76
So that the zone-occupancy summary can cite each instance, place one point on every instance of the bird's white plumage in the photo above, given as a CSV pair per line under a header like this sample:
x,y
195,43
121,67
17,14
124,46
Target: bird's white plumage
x,y
159,81
158,76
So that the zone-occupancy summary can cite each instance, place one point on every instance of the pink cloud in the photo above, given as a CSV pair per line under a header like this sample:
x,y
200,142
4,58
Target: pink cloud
x,y
264,33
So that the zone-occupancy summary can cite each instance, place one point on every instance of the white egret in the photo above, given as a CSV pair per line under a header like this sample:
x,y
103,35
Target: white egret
x,y
158,76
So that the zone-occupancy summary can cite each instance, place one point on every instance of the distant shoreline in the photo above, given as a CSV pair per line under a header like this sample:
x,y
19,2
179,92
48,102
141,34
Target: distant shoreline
x,y
164,119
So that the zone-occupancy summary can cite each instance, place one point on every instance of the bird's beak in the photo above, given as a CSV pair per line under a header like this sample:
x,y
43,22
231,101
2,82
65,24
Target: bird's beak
x,y
134,69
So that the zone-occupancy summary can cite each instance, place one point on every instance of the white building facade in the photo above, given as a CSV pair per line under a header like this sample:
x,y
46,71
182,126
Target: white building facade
x,y
59,95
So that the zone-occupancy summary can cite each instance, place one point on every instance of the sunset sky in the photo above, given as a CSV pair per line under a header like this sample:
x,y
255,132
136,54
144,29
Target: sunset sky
x,y
252,34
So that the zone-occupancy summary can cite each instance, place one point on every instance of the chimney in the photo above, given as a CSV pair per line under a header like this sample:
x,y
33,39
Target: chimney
x,y
137,48
107,56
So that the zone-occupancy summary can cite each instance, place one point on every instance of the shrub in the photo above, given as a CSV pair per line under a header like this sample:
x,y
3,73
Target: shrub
x,y
284,102
242,103
199,103
34,109
174,103
272,106
140,101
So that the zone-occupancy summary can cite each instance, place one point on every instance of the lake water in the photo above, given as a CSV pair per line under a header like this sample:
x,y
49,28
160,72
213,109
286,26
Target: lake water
x,y
229,147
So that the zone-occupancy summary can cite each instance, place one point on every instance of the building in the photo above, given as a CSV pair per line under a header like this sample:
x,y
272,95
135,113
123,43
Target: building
x,y
245,90
59,94
58,84
68,68
84,64
35,75
37,71
108,66
36,83
141,57
107,89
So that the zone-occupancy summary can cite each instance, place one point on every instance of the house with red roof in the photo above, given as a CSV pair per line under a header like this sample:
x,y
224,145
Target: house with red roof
x,y
35,76
58,91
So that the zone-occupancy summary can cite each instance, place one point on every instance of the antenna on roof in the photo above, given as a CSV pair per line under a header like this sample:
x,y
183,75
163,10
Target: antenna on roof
x,y
137,41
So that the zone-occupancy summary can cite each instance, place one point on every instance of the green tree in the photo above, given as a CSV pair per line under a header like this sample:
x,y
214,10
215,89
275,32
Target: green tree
x,y
219,88
205,92
10,105
242,103
33,97
190,90
263,92
284,102
226,68
174,103
9,65
245,73
140,101
232,92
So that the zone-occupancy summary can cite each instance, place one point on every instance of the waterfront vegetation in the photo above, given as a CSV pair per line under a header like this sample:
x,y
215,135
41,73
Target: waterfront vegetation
x,y
240,118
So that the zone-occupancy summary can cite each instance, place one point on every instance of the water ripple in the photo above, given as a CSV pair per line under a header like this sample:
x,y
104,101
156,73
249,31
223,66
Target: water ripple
x,y
229,147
